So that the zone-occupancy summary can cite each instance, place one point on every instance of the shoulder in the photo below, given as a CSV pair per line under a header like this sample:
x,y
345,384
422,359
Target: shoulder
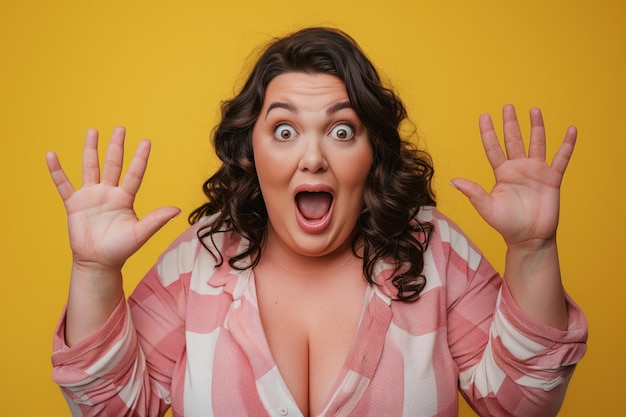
x,y
196,249
446,236
443,225
451,258
453,261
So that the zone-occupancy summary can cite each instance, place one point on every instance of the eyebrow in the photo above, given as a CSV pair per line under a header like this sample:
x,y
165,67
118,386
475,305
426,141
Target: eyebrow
x,y
338,106
290,107
279,105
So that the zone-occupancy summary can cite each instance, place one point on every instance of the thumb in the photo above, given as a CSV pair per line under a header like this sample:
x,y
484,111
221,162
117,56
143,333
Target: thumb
x,y
476,194
153,221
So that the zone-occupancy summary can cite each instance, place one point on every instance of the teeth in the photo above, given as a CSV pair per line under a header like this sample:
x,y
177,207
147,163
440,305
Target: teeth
x,y
313,205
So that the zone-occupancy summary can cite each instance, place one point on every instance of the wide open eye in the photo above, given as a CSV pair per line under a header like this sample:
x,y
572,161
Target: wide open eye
x,y
284,132
342,132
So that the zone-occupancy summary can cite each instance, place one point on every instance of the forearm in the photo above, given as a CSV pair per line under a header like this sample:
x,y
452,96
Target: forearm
x,y
533,276
94,293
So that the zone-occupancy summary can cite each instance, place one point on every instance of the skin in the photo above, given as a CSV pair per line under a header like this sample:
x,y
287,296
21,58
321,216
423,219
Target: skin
x,y
523,206
309,283
314,111
103,228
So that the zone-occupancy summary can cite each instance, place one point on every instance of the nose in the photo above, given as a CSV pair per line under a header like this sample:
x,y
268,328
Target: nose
x,y
313,157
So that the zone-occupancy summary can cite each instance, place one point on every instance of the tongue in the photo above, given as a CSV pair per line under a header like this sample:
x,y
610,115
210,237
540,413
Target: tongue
x,y
313,206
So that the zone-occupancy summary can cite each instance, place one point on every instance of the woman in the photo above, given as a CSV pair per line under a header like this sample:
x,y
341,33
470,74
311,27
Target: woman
x,y
319,278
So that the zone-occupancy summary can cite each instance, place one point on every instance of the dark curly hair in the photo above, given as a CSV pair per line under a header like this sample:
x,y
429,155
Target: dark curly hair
x,y
398,184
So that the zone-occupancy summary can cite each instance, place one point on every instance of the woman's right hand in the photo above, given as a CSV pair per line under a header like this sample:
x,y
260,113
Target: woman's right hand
x,y
104,230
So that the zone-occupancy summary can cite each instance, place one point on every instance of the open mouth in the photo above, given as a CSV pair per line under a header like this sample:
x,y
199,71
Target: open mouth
x,y
314,206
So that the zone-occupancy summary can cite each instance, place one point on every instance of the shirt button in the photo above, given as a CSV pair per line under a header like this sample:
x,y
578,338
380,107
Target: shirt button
x,y
283,411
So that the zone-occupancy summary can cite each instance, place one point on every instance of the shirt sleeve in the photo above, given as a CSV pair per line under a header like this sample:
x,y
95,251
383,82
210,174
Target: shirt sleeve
x,y
526,365
125,368
509,363
104,374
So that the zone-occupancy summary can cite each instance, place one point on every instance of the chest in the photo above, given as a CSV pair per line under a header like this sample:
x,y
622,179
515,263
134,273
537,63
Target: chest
x,y
310,330
367,363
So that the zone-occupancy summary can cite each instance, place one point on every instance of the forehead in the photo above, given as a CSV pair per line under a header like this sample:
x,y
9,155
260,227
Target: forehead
x,y
302,88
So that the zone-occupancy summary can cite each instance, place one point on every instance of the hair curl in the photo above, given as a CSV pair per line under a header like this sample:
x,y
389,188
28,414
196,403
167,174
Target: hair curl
x,y
398,184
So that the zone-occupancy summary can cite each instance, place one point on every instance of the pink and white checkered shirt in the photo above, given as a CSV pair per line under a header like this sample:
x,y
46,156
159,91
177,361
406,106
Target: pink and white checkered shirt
x,y
190,337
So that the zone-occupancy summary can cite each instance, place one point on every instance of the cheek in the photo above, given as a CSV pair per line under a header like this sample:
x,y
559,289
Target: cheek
x,y
273,177
353,177
268,180
355,169
263,161
270,162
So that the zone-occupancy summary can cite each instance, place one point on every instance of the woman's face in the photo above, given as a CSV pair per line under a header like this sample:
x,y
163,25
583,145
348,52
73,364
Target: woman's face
x,y
312,157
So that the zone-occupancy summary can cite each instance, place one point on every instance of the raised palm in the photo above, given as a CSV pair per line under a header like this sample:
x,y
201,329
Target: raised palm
x,y
523,205
103,228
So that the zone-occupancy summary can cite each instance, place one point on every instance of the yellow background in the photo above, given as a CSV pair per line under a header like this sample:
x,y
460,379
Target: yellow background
x,y
161,67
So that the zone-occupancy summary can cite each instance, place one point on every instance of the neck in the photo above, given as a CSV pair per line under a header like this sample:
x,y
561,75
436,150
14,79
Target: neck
x,y
297,265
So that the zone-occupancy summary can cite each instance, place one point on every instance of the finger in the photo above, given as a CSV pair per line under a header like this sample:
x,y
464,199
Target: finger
x,y
63,184
512,134
91,166
537,146
114,157
564,154
477,195
493,150
134,175
154,221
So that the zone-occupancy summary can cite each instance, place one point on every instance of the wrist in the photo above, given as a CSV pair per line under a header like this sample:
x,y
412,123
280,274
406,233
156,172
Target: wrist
x,y
94,269
96,282
531,246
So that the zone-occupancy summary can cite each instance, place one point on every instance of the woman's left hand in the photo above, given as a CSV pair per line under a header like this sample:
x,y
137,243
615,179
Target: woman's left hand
x,y
523,205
